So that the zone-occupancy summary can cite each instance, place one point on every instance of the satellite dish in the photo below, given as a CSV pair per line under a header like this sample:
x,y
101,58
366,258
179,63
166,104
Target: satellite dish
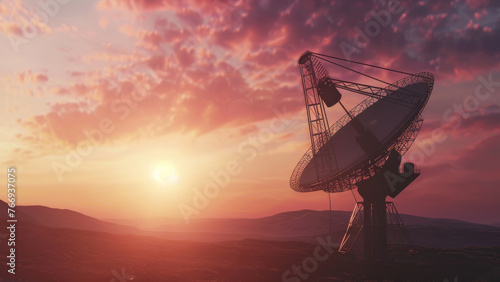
x,y
363,148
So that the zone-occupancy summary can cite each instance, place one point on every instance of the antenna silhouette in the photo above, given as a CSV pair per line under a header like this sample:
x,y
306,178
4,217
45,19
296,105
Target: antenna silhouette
x,y
363,148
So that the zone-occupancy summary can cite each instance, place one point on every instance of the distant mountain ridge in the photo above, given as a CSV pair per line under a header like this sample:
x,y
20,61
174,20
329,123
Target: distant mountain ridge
x,y
302,225
497,224
64,218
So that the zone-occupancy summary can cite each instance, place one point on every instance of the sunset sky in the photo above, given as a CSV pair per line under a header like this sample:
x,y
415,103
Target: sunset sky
x,y
127,108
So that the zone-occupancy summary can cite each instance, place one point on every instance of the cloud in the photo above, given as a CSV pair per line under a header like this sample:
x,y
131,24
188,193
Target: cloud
x,y
232,64
29,76
415,37
169,101
475,4
482,157
482,122
485,119
132,5
19,20
462,184
190,17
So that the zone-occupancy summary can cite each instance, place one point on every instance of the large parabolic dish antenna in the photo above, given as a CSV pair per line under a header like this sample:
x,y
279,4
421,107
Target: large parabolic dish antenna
x,y
392,114
364,146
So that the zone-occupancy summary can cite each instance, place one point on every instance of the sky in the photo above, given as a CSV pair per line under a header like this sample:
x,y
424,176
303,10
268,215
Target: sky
x,y
187,109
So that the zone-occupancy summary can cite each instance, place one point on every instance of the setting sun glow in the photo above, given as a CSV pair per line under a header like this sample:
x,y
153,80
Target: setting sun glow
x,y
166,174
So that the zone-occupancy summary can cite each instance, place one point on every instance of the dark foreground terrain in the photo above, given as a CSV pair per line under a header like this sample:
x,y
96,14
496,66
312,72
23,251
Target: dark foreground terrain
x,y
301,226
56,254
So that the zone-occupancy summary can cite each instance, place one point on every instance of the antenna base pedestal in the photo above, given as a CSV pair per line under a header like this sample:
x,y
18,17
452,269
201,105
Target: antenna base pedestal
x,y
378,214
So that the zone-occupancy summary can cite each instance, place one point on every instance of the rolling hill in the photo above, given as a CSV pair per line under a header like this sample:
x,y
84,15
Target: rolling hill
x,y
304,226
63,218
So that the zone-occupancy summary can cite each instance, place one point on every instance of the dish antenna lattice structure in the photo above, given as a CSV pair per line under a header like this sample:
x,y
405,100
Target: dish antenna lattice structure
x,y
363,148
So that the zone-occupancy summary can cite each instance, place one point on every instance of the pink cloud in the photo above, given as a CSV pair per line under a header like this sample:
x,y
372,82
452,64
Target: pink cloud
x,y
486,119
199,104
464,182
231,66
21,20
133,5
475,4
185,56
29,76
190,17
482,157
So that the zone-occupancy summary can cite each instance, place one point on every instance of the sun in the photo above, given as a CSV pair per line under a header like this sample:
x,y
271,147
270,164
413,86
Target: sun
x,y
166,174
